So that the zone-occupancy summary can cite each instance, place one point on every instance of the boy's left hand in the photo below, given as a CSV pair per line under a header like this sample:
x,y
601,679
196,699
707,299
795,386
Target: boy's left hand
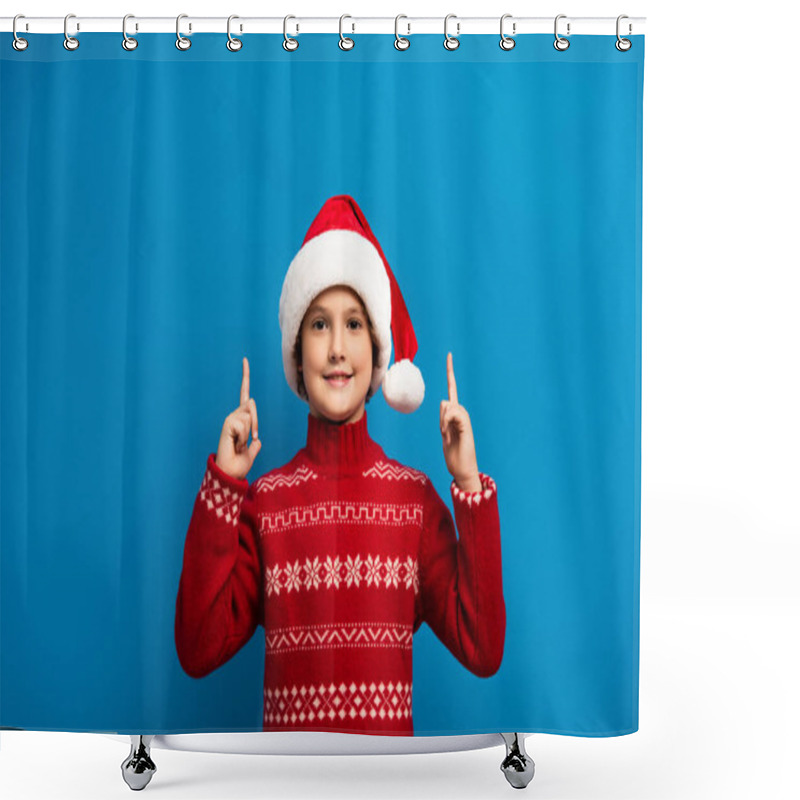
x,y
458,442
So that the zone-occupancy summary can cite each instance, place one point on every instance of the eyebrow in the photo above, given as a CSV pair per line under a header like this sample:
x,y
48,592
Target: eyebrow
x,y
324,310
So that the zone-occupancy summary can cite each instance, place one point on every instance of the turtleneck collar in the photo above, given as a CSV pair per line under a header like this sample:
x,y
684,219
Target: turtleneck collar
x,y
339,448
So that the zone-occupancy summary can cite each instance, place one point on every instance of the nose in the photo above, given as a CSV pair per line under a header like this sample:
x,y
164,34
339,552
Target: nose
x,y
337,343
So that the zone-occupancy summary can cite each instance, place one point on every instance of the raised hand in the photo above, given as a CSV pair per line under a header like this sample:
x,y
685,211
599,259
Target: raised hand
x,y
458,442
234,456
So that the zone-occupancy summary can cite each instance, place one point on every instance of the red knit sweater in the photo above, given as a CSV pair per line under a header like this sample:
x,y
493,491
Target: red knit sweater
x,y
341,555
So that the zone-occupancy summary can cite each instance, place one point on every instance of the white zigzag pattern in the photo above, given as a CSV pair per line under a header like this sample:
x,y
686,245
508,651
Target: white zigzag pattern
x,y
385,471
269,483
335,636
335,512
474,498
221,499
335,572
324,704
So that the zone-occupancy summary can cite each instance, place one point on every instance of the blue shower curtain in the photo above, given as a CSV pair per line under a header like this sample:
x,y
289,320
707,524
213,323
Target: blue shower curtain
x,y
151,204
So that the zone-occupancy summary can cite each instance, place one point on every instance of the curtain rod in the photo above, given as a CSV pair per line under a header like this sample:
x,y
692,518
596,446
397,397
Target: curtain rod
x,y
513,26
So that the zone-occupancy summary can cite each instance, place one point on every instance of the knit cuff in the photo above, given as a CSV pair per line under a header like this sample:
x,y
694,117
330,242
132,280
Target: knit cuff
x,y
222,494
488,490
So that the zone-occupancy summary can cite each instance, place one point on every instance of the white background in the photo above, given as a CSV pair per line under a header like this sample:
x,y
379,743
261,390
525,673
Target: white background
x,y
719,700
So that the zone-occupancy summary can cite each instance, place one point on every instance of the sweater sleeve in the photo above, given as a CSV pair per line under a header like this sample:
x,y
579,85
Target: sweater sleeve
x,y
461,580
220,593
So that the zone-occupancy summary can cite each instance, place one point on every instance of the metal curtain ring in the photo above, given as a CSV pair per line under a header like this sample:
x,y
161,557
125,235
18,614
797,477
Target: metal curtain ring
x,y
289,44
18,43
70,42
234,44
344,42
623,44
507,42
451,42
182,43
400,42
561,43
128,42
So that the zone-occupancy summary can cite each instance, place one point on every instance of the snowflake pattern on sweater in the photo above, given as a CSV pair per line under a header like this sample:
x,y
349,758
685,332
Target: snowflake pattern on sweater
x,y
340,555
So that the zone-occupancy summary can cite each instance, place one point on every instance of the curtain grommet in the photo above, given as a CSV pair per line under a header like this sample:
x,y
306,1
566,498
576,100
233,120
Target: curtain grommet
x,y
451,42
507,42
129,43
401,42
18,43
345,43
70,42
181,42
233,44
289,44
561,44
622,44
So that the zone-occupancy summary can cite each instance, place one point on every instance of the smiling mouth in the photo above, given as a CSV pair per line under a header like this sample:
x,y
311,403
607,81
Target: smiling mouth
x,y
338,380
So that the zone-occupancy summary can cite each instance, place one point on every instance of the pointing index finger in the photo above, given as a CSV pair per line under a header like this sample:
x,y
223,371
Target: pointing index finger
x,y
244,396
451,380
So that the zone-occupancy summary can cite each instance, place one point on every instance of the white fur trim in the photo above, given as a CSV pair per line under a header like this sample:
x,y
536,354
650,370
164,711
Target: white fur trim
x,y
403,387
337,257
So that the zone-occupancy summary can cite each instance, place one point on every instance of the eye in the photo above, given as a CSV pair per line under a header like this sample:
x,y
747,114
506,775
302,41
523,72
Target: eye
x,y
357,322
314,324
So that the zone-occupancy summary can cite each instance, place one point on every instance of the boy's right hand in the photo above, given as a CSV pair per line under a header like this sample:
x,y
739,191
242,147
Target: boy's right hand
x,y
234,457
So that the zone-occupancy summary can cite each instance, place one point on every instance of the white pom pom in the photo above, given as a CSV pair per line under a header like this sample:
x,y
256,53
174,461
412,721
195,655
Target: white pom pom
x,y
403,387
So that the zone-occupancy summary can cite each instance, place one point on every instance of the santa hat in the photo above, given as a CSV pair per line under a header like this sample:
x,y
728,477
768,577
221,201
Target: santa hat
x,y
340,249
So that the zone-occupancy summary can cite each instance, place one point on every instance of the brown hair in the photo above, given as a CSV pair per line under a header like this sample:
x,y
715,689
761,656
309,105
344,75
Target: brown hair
x,y
298,351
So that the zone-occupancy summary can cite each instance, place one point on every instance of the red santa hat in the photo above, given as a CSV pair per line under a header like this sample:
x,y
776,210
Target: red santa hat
x,y
340,249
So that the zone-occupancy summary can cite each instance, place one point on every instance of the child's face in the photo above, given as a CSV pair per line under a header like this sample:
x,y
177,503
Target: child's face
x,y
335,339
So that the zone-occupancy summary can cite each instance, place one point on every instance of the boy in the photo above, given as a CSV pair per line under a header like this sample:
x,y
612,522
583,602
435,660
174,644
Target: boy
x,y
342,553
